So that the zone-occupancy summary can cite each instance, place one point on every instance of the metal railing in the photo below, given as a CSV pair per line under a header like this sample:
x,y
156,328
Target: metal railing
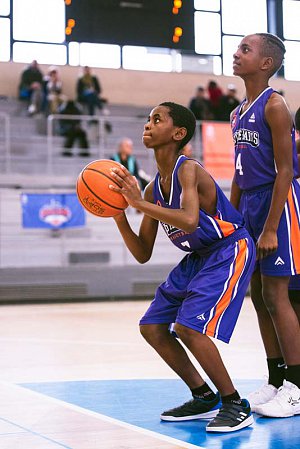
x,y
6,141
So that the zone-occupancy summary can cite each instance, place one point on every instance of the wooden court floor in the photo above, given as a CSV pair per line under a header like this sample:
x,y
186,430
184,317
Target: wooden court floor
x,y
60,362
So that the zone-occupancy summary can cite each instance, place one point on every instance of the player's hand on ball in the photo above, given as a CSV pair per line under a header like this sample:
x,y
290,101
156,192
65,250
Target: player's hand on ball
x,y
129,186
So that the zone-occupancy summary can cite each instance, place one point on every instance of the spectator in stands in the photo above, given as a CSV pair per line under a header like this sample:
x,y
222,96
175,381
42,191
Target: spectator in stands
x,y
125,157
89,91
200,105
72,129
228,103
31,88
53,90
215,93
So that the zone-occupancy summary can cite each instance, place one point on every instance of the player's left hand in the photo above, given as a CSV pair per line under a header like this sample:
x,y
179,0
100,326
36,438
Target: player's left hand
x,y
129,186
266,244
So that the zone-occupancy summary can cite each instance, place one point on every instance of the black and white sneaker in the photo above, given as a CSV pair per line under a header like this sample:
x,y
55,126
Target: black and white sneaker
x,y
231,417
196,408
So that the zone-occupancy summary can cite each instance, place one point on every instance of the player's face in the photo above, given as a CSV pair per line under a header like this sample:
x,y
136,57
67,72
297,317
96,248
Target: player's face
x,y
159,129
247,58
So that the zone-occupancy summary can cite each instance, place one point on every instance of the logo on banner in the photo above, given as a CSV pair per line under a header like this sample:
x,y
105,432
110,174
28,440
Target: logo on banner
x,y
55,213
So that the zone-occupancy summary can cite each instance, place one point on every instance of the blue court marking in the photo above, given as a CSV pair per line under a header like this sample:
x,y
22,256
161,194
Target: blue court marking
x,y
140,402
34,433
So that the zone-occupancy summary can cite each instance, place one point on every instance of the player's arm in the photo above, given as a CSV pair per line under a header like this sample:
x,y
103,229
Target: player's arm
x,y
141,245
235,194
298,153
280,122
185,218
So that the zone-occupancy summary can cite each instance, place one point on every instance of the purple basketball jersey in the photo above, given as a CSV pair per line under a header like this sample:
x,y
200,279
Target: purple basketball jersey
x,y
254,156
211,229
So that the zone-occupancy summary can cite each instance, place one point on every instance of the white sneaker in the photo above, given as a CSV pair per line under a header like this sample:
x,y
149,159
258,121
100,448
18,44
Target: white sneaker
x,y
286,402
264,394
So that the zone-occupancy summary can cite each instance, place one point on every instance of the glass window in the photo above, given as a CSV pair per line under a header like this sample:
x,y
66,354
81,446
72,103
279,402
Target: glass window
x,y
230,45
74,53
43,53
4,7
207,33
39,21
145,58
207,5
217,61
5,39
244,17
100,55
291,12
291,67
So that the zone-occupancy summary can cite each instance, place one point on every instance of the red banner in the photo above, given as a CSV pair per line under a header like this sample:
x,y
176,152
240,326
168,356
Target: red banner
x,y
218,149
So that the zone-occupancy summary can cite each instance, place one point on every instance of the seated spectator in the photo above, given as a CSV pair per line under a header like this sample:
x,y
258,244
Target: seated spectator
x,y
89,91
125,157
72,129
31,88
228,103
53,91
214,93
200,105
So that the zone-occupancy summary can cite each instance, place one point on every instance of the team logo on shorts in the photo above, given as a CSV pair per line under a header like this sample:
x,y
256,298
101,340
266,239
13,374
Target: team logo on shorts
x,y
279,261
201,317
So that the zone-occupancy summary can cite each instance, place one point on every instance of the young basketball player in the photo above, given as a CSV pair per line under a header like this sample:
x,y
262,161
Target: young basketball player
x,y
268,196
204,293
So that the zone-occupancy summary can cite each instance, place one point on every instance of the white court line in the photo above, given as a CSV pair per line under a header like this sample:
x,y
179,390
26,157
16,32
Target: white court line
x,y
105,418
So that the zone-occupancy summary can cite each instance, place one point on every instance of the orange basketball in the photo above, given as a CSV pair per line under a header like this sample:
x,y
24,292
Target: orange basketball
x,y
93,192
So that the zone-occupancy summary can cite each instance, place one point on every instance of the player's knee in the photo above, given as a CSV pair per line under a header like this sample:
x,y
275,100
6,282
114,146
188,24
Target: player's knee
x,y
154,334
271,300
183,332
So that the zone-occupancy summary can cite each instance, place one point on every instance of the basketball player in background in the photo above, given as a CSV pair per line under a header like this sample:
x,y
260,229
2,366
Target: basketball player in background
x,y
199,219
266,192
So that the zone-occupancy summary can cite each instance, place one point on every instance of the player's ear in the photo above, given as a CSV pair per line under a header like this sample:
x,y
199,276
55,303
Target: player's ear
x,y
180,133
267,63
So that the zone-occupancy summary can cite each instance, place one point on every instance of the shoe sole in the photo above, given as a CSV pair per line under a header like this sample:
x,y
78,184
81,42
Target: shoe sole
x,y
277,415
243,424
207,415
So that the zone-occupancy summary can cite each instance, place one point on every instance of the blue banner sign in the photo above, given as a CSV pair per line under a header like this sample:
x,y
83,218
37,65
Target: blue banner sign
x,y
41,210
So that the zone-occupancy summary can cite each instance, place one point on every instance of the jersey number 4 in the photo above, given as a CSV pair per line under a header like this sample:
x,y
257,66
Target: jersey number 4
x,y
238,164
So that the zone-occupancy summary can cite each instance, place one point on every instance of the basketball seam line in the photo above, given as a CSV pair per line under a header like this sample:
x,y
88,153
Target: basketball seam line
x,y
99,198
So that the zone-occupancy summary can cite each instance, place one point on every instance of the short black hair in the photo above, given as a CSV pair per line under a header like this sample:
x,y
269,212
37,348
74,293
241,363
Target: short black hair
x,y
297,120
182,117
274,47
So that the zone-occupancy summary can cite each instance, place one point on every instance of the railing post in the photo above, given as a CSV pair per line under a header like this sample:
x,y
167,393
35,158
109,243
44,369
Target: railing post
x,y
50,143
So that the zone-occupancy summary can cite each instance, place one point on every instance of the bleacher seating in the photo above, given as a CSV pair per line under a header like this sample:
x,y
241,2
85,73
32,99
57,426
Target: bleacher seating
x,y
84,263
31,155
87,263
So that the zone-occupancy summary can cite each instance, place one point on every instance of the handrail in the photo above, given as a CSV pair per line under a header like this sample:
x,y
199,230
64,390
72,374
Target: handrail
x,y
7,142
